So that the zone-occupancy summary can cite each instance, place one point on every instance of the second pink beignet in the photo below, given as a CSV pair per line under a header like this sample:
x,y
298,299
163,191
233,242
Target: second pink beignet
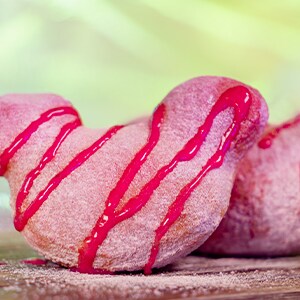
x,y
263,218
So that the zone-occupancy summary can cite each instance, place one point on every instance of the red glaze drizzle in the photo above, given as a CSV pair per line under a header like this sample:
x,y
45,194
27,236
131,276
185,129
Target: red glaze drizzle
x,y
238,98
23,137
21,219
34,261
267,140
111,217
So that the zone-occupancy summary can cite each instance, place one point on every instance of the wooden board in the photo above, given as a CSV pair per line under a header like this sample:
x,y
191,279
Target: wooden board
x,y
193,277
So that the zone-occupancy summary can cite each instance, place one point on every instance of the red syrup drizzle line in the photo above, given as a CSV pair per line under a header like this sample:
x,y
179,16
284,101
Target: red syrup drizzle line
x,y
108,219
32,175
21,219
34,261
267,140
238,98
23,137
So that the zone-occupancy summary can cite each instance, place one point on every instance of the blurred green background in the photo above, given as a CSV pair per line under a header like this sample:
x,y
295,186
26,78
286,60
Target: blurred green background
x,y
117,59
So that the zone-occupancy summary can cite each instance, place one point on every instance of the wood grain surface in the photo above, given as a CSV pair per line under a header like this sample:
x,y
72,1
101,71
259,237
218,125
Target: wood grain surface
x,y
193,277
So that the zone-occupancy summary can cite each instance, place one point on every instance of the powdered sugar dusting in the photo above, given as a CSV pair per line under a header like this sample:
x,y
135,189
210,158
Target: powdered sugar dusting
x,y
188,278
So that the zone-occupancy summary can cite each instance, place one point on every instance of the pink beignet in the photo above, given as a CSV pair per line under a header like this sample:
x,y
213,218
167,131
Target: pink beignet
x,y
263,218
74,211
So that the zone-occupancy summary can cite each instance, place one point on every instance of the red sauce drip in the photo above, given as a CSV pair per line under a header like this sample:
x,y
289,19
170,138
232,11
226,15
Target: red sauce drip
x,y
267,140
110,217
34,261
92,271
238,98
21,218
23,137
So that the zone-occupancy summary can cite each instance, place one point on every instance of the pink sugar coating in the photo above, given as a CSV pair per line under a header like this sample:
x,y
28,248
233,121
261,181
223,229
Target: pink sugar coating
x,y
67,217
264,214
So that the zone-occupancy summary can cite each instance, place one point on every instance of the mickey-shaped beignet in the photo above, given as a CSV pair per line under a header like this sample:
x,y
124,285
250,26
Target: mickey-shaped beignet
x,y
263,218
129,197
